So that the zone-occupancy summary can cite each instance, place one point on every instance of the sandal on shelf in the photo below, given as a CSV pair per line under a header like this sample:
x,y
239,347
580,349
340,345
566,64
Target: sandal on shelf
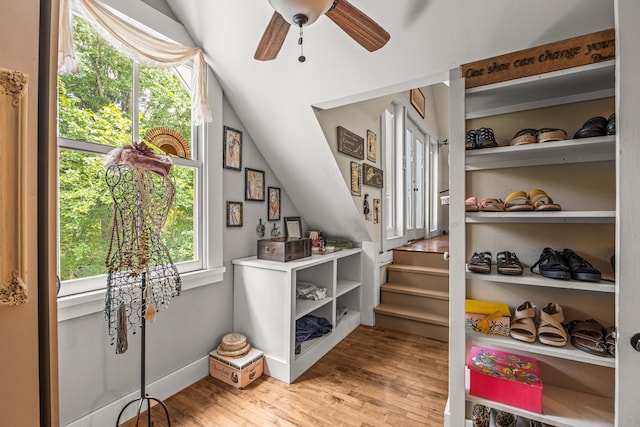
x,y
525,136
486,138
550,331
610,340
518,201
508,263
491,205
542,202
471,140
551,134
471,204
552,264
588,336
480,262
523,326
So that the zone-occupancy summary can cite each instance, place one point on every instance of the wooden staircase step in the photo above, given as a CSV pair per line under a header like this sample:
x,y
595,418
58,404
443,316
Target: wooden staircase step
x,y
430,259
413,321
405,289
412,314
434,271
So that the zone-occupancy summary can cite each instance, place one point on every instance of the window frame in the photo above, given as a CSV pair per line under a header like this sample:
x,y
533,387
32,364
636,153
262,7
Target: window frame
x,y
201,261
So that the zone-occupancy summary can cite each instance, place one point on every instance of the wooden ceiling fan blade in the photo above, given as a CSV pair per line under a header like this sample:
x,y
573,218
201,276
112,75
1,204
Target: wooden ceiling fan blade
x,y
272,39
358,26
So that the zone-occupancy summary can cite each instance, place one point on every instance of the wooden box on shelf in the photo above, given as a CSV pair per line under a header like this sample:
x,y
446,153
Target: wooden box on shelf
x,y
284,249
237,371
506,378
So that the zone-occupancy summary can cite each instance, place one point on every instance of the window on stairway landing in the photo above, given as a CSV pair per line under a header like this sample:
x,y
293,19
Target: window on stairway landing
x,y
101,107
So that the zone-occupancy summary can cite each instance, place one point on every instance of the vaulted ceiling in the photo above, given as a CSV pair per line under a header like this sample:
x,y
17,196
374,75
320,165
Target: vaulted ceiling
x,y
274,99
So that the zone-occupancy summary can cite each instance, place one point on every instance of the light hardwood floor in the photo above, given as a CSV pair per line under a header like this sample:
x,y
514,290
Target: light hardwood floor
x,y
374,377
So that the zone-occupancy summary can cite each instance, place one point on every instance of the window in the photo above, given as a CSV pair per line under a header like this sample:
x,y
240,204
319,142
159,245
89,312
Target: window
x,y
393,204
108,101
415,179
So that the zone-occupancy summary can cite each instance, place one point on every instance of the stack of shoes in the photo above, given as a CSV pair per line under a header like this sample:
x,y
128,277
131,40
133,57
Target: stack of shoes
x,y
597,126
565,265
480,138
530,136
233,345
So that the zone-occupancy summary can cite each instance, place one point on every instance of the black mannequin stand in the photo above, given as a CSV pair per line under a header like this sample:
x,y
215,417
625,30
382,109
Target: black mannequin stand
x,y
143,395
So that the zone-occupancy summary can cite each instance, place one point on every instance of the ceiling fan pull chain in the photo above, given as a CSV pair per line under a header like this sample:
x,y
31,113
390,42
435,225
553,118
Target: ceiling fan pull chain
x,y
301,58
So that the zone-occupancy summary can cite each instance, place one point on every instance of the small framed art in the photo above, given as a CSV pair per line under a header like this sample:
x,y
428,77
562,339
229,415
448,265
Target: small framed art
x,y
293,227
350,143
273,204
234,214
356,179
232,154
254,185
372,146
417,100
372,176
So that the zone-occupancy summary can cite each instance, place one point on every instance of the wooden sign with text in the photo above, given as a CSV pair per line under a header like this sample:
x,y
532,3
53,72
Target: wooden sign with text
x,y
582,50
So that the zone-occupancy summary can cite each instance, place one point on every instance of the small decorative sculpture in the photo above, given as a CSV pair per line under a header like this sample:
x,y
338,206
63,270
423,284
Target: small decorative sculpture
x,y
366,210
260,228
275,232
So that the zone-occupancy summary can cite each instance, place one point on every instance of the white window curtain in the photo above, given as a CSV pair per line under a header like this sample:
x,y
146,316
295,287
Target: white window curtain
x,y
136,44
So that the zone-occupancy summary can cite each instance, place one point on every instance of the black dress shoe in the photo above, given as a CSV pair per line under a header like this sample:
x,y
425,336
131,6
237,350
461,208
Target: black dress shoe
x,y
595,126
580,268
553,265
611,125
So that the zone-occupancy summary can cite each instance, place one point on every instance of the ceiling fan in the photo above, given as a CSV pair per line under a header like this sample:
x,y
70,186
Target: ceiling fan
x,y
364,30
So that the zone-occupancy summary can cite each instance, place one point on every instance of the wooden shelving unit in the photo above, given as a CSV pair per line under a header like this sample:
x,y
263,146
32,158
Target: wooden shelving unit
x,y
266,308
553,97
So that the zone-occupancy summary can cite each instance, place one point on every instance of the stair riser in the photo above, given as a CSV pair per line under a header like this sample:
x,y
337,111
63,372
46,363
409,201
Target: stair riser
x,y
424,259
422,329
427,305
423,281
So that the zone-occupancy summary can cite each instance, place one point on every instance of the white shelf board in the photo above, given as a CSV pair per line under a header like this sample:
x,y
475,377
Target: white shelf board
x,y
593,81
532,279
306,306
568,352
343,286
297,264
600,148
556,217
563,408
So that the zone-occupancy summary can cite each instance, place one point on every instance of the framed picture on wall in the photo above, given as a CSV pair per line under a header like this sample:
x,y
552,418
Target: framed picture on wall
x,y
273,204
372,176
372,146
356,179
293,227
376,211
254,185
417,100
232,149
234,214
350,143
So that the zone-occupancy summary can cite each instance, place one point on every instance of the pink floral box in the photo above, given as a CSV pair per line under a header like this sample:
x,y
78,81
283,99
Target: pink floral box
x,y
506,378
497,326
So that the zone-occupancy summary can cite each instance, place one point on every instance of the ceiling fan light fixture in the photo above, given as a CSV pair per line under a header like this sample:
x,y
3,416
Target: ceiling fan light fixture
x,y
312,9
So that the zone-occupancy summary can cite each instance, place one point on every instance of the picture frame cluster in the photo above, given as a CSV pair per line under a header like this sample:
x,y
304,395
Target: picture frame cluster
x,y
255,189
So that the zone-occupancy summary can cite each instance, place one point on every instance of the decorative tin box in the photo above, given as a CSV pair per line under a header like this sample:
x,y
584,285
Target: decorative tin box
x,y
284,249
487,324
506,378
237,371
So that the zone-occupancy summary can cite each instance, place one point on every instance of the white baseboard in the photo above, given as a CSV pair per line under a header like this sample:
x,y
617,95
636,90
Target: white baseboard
x,y
160,389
